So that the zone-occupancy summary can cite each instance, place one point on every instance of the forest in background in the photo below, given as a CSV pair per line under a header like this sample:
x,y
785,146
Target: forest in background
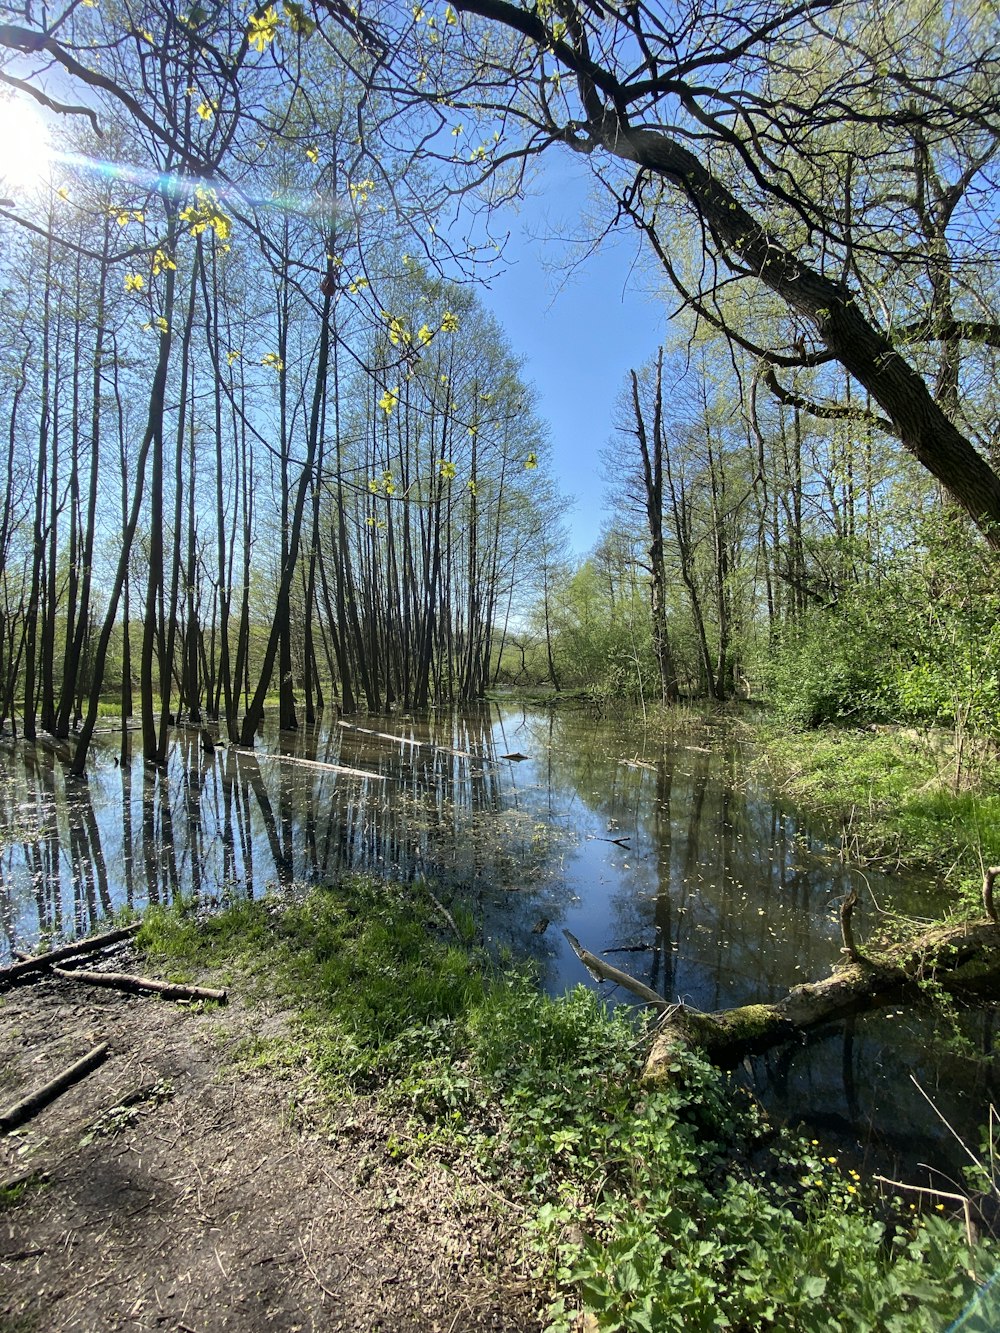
x,y
216,440
263,440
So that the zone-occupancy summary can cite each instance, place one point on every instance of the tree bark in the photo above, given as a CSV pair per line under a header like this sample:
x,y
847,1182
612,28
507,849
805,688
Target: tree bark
x,y
747,248
13,973
922,425
652,473
961,959
168,990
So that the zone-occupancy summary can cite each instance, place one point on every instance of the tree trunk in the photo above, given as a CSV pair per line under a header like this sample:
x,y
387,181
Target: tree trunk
x,y
961,959
652,473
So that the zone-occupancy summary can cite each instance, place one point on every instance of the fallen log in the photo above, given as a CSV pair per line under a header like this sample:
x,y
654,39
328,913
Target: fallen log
x,y
603,971
960,959
36,1101
11,975
382,735
167,990
406,740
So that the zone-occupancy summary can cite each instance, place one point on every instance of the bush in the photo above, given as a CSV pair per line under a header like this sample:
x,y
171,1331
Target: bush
x,y
920,646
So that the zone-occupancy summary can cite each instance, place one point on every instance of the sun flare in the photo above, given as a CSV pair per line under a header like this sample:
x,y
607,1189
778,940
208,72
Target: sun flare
x,y
24,146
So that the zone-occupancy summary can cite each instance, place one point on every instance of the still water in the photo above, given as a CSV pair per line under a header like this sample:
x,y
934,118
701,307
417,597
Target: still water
x,y
660,855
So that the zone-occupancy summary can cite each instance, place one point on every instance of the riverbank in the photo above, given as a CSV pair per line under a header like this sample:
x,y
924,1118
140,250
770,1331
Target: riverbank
x,y
205,1179
891,796
381,1130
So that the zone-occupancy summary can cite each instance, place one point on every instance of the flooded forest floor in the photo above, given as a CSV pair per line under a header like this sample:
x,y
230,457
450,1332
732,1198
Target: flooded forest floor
x,y
178,1187
392,1124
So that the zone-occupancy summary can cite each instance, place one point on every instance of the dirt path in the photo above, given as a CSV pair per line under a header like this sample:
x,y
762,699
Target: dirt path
x,y
211,1203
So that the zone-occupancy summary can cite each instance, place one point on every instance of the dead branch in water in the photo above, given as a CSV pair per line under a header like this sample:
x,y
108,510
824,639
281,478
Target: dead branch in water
x,y
959,959
603,971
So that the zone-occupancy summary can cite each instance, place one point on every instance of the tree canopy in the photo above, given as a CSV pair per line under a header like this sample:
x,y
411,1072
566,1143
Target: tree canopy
x,y
834,160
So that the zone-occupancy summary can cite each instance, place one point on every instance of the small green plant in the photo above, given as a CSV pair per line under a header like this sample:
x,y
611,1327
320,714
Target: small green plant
x,y
653,1210
15,1190
124,1113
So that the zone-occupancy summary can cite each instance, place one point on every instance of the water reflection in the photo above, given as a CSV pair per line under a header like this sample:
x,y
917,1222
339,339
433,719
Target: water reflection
x,y
659,854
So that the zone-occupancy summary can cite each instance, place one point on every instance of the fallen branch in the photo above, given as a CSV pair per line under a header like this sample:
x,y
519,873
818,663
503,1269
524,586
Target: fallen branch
x,y
603,971
382,735
406,740
37,1101
444,912
933,1193
329,768
10,976
167,990
958,958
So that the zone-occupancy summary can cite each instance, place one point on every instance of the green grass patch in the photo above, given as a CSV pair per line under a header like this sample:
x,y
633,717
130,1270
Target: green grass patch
x,y
14,1192
889,795
673,1209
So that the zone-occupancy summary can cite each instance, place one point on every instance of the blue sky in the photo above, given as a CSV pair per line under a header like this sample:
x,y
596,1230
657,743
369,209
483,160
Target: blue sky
x,y
579,332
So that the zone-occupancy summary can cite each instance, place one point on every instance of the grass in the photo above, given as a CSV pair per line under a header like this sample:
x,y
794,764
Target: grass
x,y
675,1208
890,796
14,1191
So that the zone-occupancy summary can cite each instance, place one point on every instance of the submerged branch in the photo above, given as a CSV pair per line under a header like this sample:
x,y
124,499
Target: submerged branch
x,y
603,971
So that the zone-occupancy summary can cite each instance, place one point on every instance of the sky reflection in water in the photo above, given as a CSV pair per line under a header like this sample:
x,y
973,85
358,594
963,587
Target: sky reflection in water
x,y
661,854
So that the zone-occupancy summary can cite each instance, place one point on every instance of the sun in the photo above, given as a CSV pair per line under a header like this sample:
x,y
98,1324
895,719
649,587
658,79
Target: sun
x,y
24,147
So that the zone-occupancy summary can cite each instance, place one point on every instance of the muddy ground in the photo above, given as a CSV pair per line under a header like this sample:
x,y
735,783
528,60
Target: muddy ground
x,y
173,1189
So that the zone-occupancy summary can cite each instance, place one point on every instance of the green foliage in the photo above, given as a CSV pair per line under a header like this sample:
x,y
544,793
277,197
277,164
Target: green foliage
x,y
179,935
891,796
650,1212
114,1119
826,669
654,1210
599,620
12,1194
921,645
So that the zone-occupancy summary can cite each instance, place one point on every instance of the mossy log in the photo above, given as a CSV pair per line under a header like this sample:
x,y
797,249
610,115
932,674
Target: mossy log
x,y
960,959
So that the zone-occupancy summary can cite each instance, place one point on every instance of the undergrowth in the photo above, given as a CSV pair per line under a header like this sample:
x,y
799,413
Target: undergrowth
x,y
889,796
672,1208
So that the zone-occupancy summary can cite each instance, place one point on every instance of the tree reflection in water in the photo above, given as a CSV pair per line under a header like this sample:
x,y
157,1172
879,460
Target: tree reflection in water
x,y
662,853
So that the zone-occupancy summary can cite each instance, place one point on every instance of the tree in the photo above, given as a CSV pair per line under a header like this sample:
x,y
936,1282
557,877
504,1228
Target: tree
x,y
695,107
651,448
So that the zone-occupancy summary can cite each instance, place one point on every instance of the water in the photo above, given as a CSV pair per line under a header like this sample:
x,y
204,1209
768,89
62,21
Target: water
x,y
660,855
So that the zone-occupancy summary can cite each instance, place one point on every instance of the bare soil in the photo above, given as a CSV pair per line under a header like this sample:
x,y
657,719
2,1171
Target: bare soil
x,y
174,1189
